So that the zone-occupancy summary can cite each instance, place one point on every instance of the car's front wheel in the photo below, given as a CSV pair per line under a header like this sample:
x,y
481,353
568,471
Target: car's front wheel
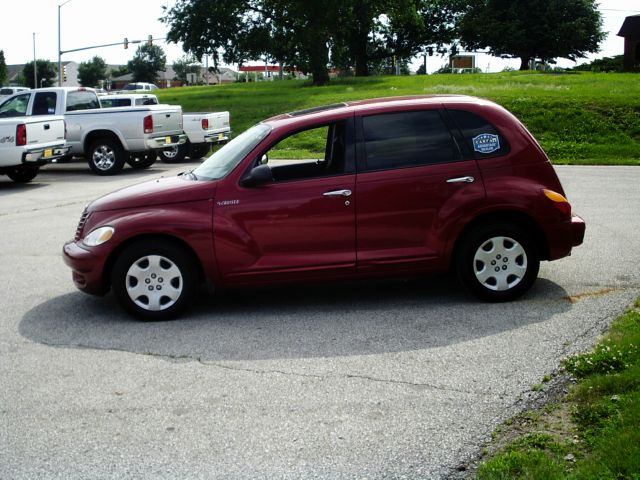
x,y
154,279
497,262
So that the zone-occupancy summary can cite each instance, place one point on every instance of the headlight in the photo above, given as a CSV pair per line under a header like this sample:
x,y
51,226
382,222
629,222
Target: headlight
x,y
99,236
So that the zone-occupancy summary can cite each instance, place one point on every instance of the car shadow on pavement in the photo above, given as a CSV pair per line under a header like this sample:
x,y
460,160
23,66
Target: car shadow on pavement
x,y
295,322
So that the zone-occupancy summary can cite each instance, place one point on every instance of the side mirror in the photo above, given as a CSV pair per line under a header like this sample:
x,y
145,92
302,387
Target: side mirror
x,y
260,175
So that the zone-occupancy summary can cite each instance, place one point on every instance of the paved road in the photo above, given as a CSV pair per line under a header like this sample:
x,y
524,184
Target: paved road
x,y
402,379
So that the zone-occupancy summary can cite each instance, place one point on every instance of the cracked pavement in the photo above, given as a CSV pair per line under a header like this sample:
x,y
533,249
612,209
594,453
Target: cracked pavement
x,y
386,379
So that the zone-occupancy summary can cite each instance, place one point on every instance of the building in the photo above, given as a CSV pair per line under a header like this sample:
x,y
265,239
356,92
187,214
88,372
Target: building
x,y
630,31
69,71
269,72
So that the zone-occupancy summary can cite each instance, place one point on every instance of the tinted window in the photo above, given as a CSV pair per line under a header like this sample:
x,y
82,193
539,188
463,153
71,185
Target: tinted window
x,y
6,91
15,106
407,139
82,100
44,103
481,137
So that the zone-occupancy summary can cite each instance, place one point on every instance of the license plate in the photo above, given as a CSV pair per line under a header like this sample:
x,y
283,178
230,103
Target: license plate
x,y
220,136
167,140
48,153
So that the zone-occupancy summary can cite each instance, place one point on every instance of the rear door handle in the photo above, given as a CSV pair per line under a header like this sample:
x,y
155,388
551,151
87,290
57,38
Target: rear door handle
x,y
461,180
338,193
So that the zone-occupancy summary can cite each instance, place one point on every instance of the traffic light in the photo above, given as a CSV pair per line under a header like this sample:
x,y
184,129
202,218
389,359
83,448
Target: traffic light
x,y
64,73
150,40
126,43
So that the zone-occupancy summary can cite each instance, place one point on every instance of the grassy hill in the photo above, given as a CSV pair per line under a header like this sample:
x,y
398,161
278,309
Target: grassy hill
x,y
582,118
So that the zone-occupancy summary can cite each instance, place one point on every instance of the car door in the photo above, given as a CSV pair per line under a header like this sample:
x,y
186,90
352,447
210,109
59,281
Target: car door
x,y
413,185
301,225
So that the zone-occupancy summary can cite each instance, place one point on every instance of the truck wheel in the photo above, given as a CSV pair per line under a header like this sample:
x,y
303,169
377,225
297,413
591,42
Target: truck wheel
x,y
142,160
497,262
23,173
106,157
199,151
154,279
174,154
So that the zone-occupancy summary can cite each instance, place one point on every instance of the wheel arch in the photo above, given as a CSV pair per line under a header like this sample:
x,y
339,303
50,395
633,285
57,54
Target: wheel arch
x,y
95,135
149,237
520,219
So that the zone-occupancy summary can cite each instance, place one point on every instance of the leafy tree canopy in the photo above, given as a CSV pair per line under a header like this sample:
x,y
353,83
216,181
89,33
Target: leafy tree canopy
x,y
147,62
91,73
47,73
184,66
529,29
310,35
4,73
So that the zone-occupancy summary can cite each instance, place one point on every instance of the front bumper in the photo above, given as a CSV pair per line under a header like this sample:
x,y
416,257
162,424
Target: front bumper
x,y
156,143
86,267
41,156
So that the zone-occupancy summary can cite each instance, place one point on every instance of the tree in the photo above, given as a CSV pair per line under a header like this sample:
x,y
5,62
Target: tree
x,y
47,73
3,69
355,33
184,66
147,62
119,71
91,73
530,29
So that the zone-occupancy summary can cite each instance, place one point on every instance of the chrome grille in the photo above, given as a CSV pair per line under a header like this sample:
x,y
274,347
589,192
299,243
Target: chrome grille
x,y
81,223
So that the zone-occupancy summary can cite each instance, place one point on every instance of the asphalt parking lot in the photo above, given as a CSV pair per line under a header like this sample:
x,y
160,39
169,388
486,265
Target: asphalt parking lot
x,y
395,379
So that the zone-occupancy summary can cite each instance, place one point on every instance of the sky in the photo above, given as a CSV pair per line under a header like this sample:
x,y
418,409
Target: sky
x,y
87,23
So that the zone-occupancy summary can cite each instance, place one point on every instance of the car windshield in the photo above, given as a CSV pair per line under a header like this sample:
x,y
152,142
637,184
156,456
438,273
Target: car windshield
x,y
228,157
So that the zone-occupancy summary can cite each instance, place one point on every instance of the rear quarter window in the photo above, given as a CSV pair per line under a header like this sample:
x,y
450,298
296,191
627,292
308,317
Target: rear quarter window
x,y
82,100
482,139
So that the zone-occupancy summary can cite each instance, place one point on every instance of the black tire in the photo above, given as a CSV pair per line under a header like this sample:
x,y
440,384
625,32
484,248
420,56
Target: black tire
x,y
106,156
23,173
142,160
497,262
199,151
157,266
173,154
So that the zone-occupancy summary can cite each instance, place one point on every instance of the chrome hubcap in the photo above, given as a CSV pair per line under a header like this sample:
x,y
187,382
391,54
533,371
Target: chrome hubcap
x,y
500,263
154,282
104,157
171,152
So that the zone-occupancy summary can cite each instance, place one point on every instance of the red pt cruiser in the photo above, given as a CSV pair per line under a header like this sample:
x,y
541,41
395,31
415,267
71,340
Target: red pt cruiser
x,y
393,186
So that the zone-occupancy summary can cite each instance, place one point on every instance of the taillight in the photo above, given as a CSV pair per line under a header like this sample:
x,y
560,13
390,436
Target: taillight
x,y
21,134
559,201
147,123
205,123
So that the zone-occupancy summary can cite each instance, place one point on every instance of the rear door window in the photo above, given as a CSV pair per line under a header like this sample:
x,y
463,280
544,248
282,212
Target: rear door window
x,y
44,103
407,139
481,138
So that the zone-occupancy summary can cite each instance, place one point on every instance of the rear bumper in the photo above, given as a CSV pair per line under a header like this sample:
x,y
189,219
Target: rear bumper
x,y
41,156
156,143
217,137
86,268
565,236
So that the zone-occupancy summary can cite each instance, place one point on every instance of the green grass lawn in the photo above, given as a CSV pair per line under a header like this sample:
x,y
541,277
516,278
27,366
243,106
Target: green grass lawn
x,y
594,432
582,118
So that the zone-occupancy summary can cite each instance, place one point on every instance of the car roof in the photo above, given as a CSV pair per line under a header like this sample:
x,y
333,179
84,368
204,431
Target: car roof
x,y
347,108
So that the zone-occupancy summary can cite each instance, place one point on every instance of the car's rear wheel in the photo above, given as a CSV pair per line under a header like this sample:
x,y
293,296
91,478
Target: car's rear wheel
x,y
199,151
175,154
106,156
23,173
154,279
497,262
143,160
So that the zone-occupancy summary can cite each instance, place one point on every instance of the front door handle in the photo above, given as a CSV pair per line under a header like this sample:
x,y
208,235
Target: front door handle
x,y
338,193
461,180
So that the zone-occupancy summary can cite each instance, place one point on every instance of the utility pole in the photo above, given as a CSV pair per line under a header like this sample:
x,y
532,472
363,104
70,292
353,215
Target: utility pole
x,y
35,65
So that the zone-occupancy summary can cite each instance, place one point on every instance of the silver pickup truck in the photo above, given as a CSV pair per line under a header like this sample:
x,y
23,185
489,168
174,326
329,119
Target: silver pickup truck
x,y
106,137
202,129
26,143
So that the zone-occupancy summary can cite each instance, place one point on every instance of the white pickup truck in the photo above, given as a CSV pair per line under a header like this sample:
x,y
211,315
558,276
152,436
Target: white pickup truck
x,y
26,143
202,129
106,137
